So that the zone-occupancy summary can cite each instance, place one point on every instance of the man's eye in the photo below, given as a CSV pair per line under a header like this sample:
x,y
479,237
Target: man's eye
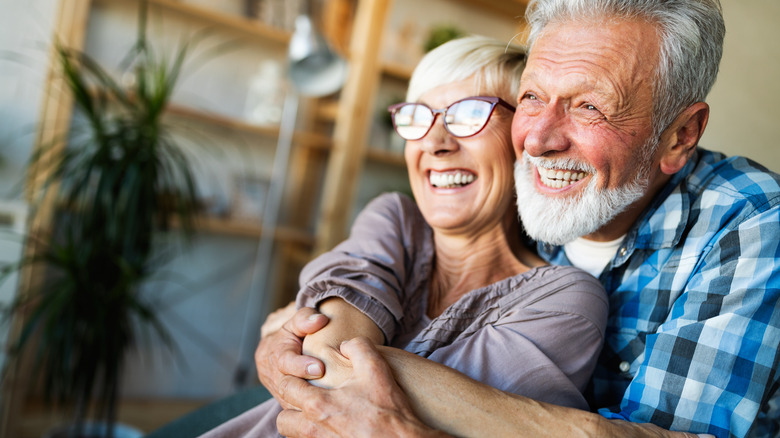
x,y
590,107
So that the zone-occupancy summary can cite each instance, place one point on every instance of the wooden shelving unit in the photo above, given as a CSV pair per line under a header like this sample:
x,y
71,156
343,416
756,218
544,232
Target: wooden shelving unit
x,y
338,158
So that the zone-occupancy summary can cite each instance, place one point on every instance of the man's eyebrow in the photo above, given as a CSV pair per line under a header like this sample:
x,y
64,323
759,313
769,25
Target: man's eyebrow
x,y
525,76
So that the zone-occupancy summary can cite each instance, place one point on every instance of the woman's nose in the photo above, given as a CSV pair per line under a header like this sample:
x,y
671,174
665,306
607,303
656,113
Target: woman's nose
x,y
438,140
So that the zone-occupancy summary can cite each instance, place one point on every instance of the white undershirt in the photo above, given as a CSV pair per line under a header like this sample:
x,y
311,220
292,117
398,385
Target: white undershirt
x,y
591,256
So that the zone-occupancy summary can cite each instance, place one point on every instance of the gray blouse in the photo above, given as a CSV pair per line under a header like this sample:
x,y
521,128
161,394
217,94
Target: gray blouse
x,y
536,334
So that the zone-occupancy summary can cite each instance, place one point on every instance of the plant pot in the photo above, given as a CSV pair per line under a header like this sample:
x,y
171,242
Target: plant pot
x,y
95,430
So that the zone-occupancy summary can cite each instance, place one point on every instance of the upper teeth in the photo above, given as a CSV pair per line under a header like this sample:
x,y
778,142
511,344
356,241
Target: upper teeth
x,y
559,178
447,180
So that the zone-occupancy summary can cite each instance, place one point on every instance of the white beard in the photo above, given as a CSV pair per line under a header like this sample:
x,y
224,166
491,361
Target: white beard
x,y
561,220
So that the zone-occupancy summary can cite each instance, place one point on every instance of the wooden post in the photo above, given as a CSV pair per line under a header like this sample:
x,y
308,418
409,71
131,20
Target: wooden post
x,y
70,27
352,123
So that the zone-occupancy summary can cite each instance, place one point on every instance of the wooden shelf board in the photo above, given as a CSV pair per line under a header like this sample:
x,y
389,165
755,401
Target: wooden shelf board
x,y
328,110
250,228
307,139
505,8
397,70
241,24
384,156
220,120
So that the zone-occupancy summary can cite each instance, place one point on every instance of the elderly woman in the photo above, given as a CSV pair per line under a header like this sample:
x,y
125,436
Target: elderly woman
x,y
450,277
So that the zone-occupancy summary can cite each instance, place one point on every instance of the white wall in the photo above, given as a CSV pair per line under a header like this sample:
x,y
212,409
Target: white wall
x,y
25,29
745,102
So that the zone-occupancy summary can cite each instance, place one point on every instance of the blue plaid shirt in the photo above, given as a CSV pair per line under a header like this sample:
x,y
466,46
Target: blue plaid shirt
x,y
694,327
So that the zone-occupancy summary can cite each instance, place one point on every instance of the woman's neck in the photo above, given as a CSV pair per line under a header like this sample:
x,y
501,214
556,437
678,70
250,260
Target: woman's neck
x,y
463,264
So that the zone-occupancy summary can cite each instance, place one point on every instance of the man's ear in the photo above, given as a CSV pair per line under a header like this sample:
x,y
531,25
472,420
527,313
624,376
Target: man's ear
x,y
679,140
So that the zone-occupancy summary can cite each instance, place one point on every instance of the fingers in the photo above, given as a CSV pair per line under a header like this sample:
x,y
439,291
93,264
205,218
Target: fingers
x,y
281,354
311,411
276,319
305,321
298,392
291,361
367,363
292,423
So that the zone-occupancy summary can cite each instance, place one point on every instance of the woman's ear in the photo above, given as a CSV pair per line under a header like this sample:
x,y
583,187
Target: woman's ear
x,y
679,140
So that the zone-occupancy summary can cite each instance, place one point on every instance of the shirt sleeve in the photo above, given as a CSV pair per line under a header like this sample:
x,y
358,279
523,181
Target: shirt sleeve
x,y
539,345
713,362
372,270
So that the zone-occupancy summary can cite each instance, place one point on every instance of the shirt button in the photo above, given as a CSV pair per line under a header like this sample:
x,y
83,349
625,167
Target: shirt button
x,y
624,366
623,251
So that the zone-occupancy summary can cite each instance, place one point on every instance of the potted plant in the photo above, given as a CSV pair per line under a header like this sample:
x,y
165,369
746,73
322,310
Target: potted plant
x,y
440,34
121,179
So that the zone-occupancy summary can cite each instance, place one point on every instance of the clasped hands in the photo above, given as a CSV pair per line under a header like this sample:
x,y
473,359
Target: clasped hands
x,y
364,397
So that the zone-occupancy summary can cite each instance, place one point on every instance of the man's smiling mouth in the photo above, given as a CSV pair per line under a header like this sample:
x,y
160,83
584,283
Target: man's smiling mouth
x,y
558,179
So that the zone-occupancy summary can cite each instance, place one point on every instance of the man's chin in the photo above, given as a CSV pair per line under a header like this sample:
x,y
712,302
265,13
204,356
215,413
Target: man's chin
x,y
558,221
549,228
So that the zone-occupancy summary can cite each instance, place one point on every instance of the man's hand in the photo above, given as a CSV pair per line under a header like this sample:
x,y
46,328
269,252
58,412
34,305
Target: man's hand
x,y
369,401
280,353
344,323
274,322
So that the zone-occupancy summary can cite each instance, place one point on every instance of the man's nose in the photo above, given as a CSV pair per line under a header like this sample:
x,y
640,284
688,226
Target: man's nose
x,y
546,132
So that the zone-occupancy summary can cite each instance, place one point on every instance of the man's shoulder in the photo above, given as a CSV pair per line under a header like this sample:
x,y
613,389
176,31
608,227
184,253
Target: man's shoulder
x,y
738,179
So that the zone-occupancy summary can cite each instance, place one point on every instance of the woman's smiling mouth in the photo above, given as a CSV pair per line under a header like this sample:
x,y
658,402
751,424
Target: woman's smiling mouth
x,y
447,180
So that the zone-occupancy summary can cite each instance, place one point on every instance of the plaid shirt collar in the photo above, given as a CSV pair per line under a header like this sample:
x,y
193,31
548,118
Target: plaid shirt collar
x,y
652,231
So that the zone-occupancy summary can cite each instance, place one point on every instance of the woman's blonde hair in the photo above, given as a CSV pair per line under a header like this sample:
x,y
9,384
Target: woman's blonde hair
x,y
495,65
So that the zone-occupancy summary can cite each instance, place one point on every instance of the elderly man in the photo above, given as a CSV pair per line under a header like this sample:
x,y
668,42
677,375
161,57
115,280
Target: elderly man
x,y
686,242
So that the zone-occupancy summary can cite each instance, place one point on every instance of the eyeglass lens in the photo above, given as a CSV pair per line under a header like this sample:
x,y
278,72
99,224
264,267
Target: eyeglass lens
x,y
462,119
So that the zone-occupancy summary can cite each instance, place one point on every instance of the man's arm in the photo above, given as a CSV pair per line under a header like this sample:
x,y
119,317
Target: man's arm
x,y
439,396
371,403
447,400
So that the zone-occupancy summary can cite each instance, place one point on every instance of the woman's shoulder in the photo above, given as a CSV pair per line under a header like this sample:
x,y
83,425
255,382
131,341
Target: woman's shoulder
x,y
395,202
397,208
559,288
566,271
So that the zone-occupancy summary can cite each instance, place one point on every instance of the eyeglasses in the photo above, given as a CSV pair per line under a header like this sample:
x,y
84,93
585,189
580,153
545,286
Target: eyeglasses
x,y
463,118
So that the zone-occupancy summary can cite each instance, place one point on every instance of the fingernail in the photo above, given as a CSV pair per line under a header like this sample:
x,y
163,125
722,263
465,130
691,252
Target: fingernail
x,y
314,370
314,317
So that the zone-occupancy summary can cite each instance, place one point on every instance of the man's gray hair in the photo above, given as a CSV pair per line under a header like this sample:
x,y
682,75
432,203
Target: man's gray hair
x,y
691,32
